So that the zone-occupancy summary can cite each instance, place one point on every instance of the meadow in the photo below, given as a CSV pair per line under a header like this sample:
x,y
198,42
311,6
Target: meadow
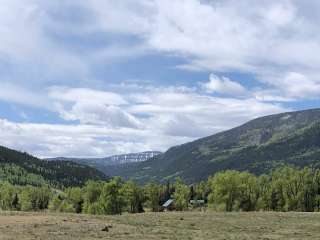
x,y
168,225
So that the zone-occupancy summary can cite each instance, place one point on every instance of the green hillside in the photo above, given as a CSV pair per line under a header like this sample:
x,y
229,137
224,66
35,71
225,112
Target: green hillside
x,y
257,146
24,169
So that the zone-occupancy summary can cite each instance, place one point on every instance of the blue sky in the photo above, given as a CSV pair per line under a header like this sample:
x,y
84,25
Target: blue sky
x,y
97,78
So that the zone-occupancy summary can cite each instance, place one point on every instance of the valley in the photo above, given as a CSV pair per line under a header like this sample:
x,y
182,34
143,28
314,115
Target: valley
x,y
159,120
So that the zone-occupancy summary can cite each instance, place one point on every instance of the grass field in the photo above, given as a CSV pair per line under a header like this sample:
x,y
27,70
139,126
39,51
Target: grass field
x,y
188,225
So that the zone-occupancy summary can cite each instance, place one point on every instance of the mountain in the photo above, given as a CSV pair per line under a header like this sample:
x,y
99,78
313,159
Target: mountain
x,y
109,165
130,158
22,169
257,146
113,160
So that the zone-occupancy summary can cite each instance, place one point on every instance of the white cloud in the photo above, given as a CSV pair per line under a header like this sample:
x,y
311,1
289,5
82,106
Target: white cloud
x,y
168,110
100,114
230,34
223,85
299,86
126,16
290,86
273,37
14,93
86,95
184,113
19,33
150,119
92,107
66,140
281,13
50,140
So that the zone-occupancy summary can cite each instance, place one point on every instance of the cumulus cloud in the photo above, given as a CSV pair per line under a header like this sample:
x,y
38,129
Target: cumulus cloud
x,y
273,37
48,140
223,85
269,40
139,12
234,34
298,85
157,108
291,86
27,46
152,118
92,107
81,140
172,110
14,93
97,113
85,95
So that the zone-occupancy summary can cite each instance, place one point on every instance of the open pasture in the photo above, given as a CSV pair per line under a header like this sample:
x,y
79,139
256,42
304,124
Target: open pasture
x,y
172,225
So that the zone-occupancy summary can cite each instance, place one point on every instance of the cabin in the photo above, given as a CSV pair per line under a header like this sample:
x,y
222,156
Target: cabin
x,y
197,203
168,205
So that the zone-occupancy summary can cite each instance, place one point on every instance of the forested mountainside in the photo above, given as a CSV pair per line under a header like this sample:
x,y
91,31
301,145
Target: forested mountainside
x,y
22,169
257,146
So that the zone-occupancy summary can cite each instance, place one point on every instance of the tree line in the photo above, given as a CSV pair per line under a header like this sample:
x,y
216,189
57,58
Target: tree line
x,y
20,168
284,189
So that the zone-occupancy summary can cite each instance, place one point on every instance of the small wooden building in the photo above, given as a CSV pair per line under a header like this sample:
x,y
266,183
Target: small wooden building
x,y
197,203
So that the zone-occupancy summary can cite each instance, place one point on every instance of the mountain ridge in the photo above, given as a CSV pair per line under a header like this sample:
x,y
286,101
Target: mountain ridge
x,y
110,165
22,168
114,159
257,146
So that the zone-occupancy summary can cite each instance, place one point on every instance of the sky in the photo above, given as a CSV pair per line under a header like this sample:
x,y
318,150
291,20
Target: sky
x,y
93,78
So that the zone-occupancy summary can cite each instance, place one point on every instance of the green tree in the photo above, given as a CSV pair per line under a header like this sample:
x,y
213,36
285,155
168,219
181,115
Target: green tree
x,y
91,196
15,202
153,196
200,191
316,189
134,197
8,195
264,184
67,207
112,199
225,189
248,192
34,198
181,195
75,198
55,203
292,189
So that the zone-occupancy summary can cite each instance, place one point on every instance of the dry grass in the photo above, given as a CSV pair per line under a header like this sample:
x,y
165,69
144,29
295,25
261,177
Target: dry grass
x,y
188,225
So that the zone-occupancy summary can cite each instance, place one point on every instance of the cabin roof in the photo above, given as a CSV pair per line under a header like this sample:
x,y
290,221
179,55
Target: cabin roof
x,y
168,203
200,201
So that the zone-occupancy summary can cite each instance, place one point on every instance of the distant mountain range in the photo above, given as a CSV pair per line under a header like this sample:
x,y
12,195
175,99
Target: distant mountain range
x,y
108,164
23,169
131,158
257,146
